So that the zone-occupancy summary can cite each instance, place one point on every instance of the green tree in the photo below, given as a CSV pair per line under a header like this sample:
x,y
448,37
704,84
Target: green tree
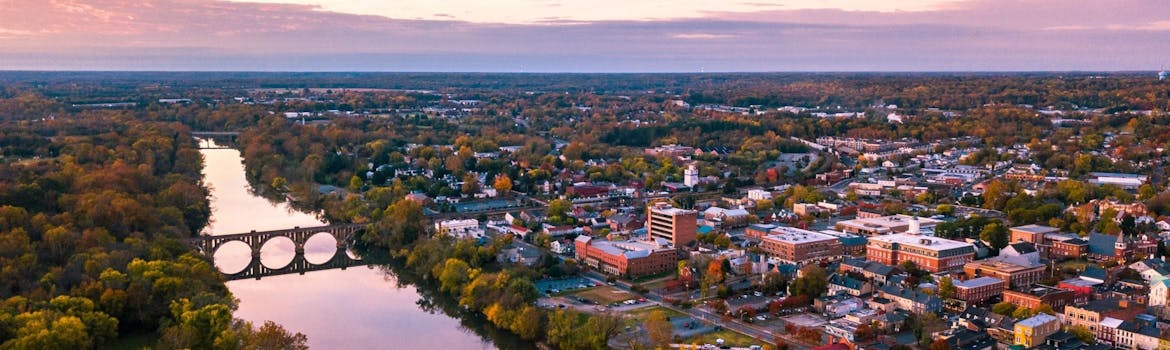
x,y
355,184
1083,334
946,288
454,275
1004,308
558,210
527,323
995,234
812,283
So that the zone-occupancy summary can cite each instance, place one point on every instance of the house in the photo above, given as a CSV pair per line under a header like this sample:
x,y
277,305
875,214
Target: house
x,y
1152,269
1094,314
517,254
1000,327
624,223
842,284
1020,253
564,230
911,300
1033,330
561,247
1159,292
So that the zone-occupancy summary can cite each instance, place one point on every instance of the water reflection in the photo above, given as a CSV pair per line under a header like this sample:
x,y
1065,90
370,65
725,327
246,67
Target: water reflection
x,y
368,307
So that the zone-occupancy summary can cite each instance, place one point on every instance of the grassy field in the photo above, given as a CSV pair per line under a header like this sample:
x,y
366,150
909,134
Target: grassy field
x,y
637,316
605,295
730,338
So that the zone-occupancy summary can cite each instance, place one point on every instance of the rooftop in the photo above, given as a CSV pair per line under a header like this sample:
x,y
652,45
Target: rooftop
x,y
629,249
924,242
978,282
1036,321
888,222
796,235
999,265
1036,229
670,210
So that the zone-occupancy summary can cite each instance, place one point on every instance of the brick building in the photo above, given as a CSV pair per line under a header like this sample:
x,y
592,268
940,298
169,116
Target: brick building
x,y
1067,247
1032,297
980,289
797,246
1016,276
629,258
883,225
928,253
679,226
1092,314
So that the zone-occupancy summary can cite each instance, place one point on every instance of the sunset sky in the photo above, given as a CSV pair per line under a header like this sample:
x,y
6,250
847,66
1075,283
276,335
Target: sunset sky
x,y
585,36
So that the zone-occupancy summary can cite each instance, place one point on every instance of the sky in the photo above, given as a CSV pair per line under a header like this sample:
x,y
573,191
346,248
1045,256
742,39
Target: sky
x,y
585,35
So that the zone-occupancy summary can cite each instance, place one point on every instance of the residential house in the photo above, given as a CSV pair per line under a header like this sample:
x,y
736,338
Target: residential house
x,y
911,300
1032,331
1091,315
842,284
1020,253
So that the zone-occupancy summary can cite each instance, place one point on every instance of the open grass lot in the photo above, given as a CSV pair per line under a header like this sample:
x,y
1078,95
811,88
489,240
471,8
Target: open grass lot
x,y
730,338
605,295
640,315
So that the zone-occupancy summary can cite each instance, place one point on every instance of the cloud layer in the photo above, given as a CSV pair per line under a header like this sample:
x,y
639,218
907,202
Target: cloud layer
x,y
217,35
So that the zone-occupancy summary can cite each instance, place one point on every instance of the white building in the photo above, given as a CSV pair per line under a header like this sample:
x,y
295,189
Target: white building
x,y
691,176
759,195
461,229
1159,292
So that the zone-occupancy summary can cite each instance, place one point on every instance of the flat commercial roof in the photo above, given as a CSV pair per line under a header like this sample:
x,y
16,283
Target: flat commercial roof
x,y
796,235
1036,228
924,242
888,221
978,282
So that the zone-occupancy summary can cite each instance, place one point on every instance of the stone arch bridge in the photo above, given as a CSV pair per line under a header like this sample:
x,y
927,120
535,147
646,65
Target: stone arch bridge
x,y
344,235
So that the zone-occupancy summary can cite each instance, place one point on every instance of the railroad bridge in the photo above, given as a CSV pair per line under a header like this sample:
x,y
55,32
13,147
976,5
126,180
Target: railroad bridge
x,y
344,235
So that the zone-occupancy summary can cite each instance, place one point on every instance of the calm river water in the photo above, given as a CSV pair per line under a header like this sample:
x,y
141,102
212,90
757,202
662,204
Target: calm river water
x,y
361,307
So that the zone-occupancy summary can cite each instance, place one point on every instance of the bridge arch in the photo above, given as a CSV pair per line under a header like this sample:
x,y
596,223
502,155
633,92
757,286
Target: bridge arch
x,y
343,235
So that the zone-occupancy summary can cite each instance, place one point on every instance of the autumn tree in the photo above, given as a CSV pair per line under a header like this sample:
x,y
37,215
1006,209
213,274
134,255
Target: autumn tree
x,y
659,329
502,184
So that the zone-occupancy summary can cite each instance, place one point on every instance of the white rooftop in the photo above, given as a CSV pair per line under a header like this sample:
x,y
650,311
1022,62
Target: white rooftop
x,y
1038,320
924,242
796,235
888,221
1036,229
978,282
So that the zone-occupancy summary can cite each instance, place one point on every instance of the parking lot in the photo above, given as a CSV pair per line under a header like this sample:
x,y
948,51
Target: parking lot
x,y
555,286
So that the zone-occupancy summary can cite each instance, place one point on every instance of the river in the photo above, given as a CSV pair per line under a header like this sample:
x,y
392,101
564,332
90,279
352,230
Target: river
x,y
364,307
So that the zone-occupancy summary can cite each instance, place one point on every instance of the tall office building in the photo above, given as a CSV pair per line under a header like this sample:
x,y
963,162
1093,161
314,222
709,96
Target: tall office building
x,y
679,226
